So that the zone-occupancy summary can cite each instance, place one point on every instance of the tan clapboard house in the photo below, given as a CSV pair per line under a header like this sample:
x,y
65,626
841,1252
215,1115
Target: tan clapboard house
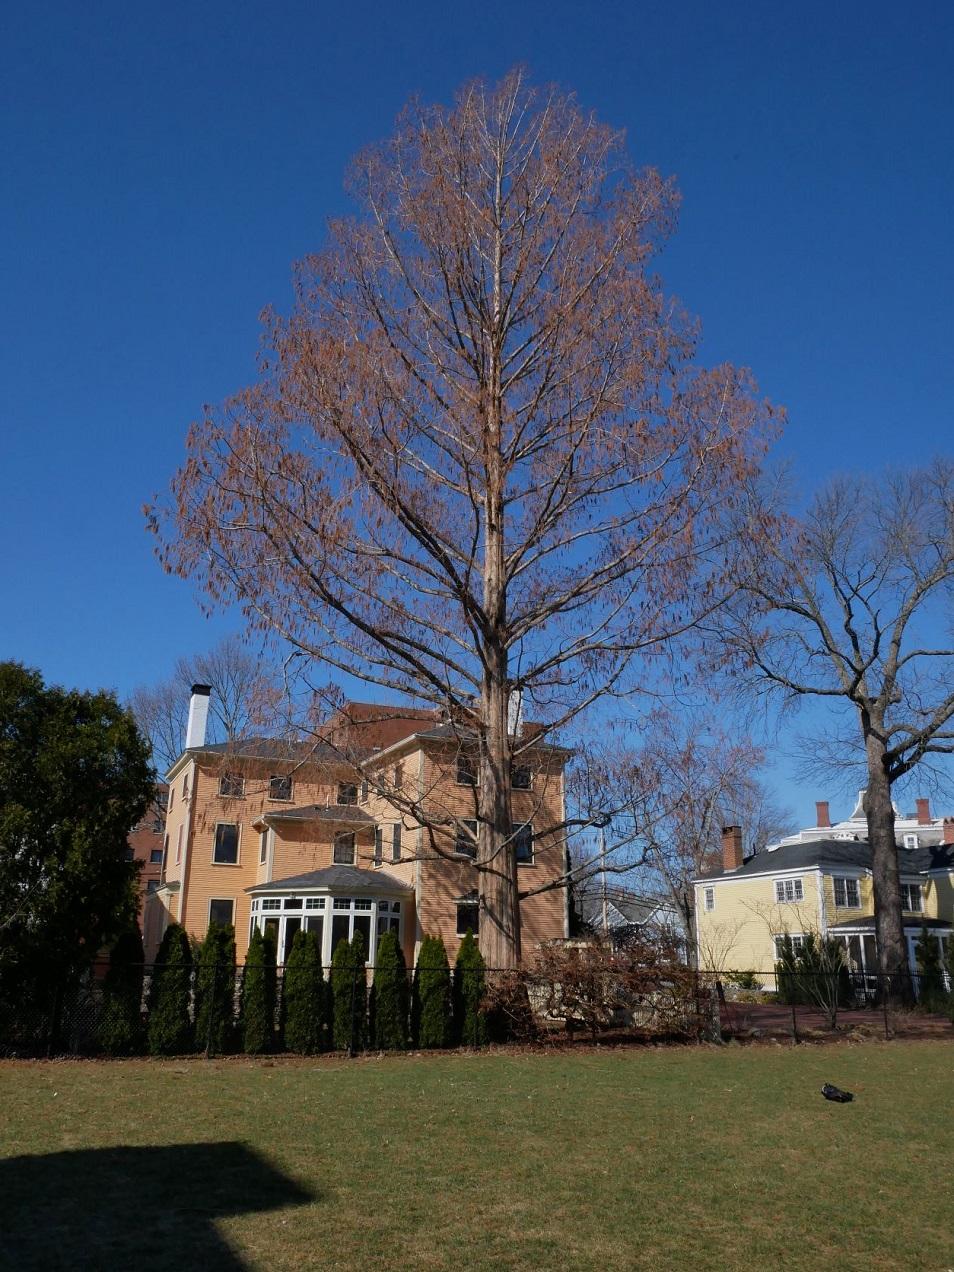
x,y
820,881
322,835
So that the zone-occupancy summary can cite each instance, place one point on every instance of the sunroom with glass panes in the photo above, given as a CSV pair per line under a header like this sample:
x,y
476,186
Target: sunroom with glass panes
x,y
335,903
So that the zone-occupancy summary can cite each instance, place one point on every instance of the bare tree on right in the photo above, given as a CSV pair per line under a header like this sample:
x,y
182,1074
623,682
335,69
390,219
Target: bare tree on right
x,y
854,605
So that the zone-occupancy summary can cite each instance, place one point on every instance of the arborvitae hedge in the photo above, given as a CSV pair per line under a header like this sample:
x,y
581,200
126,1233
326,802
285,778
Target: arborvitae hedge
x,y
170,1026
932,995
349,988
120,1025
215,989
431,999
259,982
303,996
390,995
470,1023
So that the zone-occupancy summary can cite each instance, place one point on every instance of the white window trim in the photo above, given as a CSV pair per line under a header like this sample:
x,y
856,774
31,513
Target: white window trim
x,y
327,913
533,845
798,940
920,887
708,900
467,856
281,799
228,865
230,773
461,905
797,885
846,904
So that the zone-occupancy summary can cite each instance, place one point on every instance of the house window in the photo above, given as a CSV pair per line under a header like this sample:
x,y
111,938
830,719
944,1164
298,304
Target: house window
x,y
343,854
797,943
847,894
389,917
155,857
911,841
912,898
158,826
179,844
165,851
263,847
172,797
465,842
272,903
280,787
466,770
708,902
364,792
347,793
521,778
468,918
398,776
152,886
185,787
221,912
523,844
378,845
129,854
232,785
787,890
396,842
225,852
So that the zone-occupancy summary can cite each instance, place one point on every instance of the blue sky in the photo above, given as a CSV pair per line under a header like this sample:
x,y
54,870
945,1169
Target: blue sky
x,y
164,165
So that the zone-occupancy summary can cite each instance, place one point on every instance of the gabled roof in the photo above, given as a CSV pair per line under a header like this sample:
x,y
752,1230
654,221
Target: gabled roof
x,y
336,879
855,853
626,909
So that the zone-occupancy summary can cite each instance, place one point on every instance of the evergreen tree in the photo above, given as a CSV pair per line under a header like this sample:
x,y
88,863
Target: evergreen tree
x,y
169,1031
931,993
215,989
259,982
391,995
303,995
349,987
120,1025
470,1023
431,1003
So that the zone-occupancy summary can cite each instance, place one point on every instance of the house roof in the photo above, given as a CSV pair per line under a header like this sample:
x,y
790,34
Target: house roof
x,y
835,852
626,909
336,879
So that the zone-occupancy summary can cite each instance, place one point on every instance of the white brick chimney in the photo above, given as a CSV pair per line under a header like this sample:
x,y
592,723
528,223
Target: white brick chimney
x,y
198,716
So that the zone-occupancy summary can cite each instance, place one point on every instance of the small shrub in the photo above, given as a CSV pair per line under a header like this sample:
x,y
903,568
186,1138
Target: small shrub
x,y
170,1026
215,989
431,999
391,996
259,982
470,1023
120,1025
349,989
303,997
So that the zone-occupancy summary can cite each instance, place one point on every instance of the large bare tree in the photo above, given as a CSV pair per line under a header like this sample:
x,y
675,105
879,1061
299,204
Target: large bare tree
x,y
854,606
245,691
480,460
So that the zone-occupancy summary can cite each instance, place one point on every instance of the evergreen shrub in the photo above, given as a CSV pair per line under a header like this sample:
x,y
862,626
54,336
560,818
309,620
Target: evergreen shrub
x,y
303,995
120,1025
215,989
169,1030
390,996
259,981
431,998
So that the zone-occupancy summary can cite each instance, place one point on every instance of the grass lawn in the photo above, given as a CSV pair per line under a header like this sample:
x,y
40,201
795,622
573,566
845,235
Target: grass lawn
x,y
659,1158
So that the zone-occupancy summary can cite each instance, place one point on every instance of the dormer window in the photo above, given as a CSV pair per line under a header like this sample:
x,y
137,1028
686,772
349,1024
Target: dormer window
x,y
466,770
911,841
912,898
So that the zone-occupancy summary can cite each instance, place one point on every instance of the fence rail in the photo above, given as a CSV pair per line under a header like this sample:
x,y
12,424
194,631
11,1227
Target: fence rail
x,y
579,1002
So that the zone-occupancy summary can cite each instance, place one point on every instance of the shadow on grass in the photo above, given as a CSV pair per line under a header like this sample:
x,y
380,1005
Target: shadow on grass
x,y
143,1208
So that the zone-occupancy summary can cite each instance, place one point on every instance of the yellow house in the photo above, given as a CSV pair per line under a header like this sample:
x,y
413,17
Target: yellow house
x,y
819,881
323,835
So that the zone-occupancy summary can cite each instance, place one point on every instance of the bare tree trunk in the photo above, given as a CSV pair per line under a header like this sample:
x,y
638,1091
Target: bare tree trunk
x,y
879,810
500,906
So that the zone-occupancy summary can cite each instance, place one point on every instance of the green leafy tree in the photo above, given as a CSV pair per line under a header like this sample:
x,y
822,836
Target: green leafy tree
x,y
170,1025
391,995
349,987
259,985
215,989
470,1023
303,997
120,1025
75,776
932,995
431,1003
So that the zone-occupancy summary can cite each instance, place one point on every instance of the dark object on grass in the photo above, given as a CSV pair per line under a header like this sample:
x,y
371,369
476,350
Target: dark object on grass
x,y
833,1093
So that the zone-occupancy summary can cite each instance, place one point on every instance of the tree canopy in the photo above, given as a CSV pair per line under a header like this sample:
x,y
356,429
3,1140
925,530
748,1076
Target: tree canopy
x,y
75,776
